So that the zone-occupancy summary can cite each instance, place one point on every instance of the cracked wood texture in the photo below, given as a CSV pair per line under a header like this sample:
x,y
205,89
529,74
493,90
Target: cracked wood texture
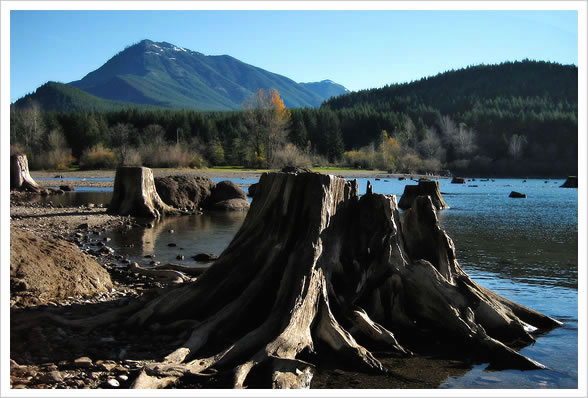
x,y
20,178
134,194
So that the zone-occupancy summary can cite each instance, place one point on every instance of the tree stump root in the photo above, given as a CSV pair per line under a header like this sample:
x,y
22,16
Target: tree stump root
x,y
315,267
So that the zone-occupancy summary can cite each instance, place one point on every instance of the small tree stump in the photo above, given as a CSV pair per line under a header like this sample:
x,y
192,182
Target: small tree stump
x,y
135,194
425,188
19,174
571,182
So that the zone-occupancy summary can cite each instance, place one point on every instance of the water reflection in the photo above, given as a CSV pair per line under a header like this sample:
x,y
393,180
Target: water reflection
x,y
185,236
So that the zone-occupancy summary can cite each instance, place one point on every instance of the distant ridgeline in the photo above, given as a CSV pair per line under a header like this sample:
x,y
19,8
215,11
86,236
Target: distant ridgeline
x,y
511,119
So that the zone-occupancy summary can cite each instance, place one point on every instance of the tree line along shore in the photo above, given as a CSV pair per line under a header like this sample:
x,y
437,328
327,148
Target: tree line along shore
x,y
512,119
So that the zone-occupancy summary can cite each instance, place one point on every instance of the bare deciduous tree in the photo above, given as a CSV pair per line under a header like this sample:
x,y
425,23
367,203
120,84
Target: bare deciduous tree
x,y
515,145
267,119
120,136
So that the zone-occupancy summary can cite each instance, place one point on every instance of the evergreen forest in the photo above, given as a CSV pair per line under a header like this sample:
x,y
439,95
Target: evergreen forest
x,y
512,119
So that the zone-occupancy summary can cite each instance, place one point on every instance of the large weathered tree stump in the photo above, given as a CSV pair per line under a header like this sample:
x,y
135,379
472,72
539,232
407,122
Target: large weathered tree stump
x,y
424,188
20,178
315,269
135,194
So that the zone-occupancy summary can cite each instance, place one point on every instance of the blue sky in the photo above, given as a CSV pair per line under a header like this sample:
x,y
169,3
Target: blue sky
x,y
359,49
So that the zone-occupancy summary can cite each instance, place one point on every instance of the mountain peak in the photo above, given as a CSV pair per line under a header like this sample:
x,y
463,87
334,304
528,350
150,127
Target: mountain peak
x,y
165,74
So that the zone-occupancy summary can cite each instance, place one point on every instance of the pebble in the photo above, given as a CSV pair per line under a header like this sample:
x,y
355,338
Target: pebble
x,y
113,383
51,377
179,257
106,366
120,368
123,377
83,362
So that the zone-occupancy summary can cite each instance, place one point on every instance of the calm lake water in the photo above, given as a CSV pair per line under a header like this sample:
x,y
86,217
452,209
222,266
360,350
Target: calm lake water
x,y
523,249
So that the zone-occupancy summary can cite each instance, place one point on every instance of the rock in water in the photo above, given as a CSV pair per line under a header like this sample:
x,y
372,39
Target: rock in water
x,y
458,180
226,190
184,192
515,194
424,188
205,257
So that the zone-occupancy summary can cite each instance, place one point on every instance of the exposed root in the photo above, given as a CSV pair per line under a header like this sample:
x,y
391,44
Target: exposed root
x,y
291,373
190,271
362,323
330,332
162,275
441,305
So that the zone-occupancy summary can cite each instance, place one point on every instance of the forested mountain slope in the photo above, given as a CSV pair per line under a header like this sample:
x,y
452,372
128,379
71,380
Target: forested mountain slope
x,y
522,113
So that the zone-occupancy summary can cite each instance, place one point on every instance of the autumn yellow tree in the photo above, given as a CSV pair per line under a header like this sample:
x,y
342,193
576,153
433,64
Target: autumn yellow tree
x,y
267,120
390,151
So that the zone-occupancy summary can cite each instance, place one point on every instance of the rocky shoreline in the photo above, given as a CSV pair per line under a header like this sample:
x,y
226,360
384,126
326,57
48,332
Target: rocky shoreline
x,y
80,178
47,355
52,356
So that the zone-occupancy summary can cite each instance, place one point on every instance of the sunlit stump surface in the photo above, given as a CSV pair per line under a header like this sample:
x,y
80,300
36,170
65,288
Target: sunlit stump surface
x,y
424,188
20,178
316,271
134,194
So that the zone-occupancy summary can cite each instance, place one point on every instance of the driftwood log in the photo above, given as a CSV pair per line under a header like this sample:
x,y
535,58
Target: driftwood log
x,y
424,188
315,270
20,177
134,194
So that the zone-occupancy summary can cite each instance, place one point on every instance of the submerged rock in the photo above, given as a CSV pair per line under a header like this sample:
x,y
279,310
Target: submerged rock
x,y
205,257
